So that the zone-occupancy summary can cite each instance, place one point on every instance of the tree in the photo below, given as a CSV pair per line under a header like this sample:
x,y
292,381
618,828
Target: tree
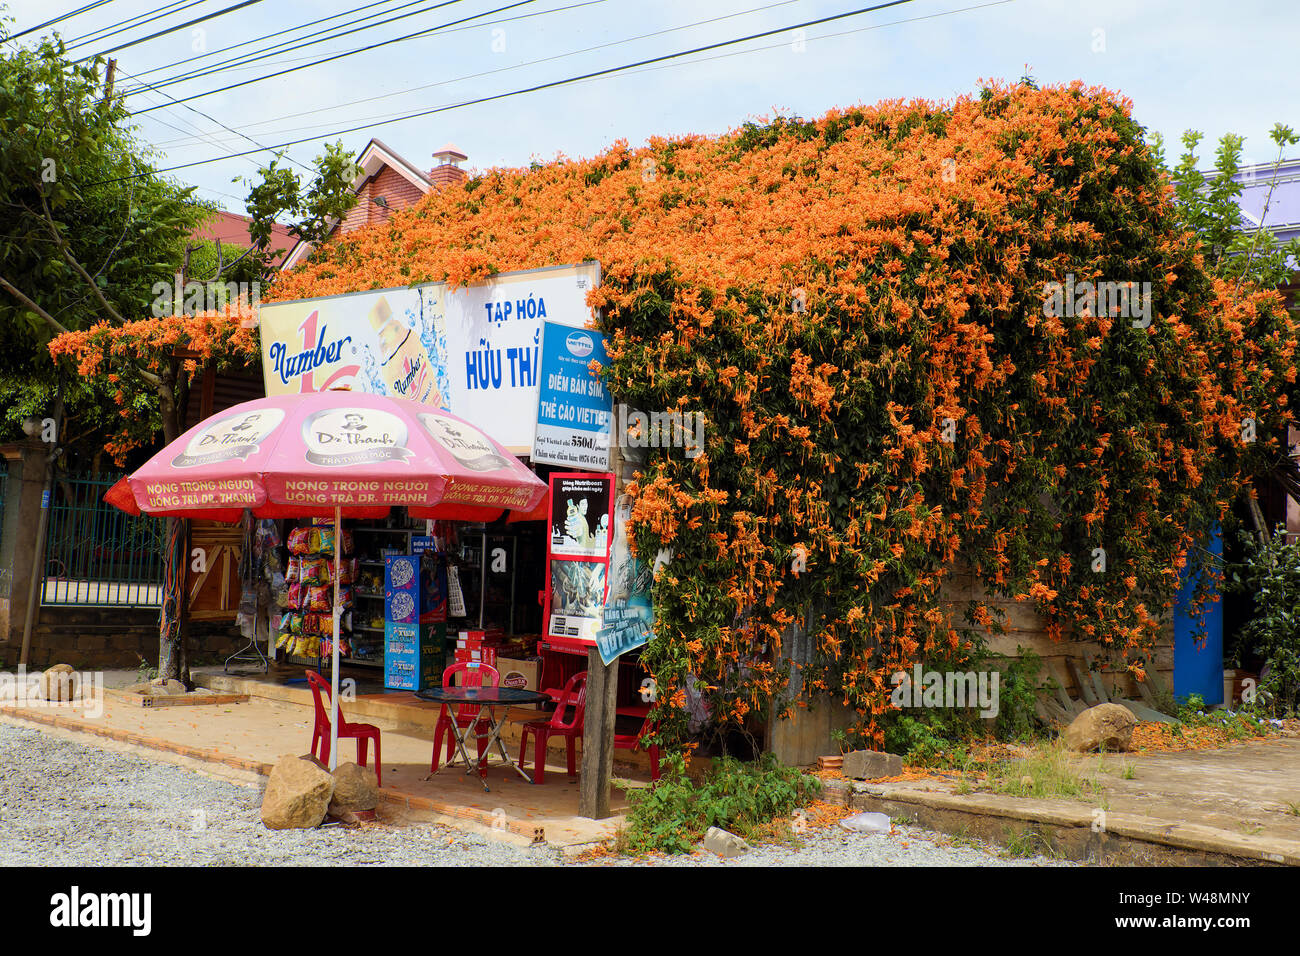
x,y
86,230
1211,206
91,233
1246,257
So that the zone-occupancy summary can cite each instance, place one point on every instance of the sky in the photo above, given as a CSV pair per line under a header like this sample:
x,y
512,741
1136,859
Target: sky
x,y
1213,66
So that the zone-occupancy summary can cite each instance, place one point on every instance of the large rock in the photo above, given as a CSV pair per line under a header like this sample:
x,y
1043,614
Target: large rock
x,y
355,789
871,765
724,843
297,795
158,688
1105,725
166,688
58,683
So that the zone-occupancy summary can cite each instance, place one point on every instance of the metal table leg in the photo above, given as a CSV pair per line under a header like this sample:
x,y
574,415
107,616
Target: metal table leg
x,y
495,738
471,766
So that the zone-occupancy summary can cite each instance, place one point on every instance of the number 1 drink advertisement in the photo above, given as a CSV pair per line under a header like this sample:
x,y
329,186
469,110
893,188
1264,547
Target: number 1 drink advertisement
x,y
474,351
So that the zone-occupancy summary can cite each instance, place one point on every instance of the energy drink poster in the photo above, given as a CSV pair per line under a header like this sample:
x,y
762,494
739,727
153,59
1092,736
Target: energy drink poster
x,y
581,515
578,555
474,350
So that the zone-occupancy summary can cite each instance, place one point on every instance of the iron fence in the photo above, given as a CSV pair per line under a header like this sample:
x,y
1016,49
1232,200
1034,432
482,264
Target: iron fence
x,y
96,555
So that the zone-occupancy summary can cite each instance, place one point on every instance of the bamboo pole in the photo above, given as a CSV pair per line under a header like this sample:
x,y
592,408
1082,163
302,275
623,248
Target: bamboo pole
x,y
334,650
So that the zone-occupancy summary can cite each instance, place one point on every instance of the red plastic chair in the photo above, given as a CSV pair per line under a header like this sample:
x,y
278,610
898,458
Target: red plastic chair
x,y
466,715
574,695
633,742
364,733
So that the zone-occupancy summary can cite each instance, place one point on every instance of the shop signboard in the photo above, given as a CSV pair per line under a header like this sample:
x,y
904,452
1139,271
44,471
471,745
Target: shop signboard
x,y
578,554
472,350
385,342
627,620
574,410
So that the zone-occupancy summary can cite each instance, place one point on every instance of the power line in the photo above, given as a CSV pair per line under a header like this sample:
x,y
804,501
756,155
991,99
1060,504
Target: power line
x,y
360,50
506,69
50,23
337,31
544,86
222,125
383,117
104,32
179,26
268,36
828,36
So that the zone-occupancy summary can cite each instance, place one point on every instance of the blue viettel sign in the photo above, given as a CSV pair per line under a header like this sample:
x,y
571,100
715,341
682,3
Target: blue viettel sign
x,y
579,344
574,410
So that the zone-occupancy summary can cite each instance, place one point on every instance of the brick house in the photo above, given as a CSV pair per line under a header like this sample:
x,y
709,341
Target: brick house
x,y
386,182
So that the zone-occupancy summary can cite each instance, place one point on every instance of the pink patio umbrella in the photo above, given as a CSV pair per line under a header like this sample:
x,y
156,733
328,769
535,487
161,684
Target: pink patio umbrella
x,y
324,454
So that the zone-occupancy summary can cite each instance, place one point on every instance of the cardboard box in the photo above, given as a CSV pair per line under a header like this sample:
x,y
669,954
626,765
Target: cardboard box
x,y
524,674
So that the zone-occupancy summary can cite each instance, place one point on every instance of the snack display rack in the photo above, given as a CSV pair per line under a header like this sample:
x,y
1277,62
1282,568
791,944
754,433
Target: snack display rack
x,y
470,572
374,543
307,619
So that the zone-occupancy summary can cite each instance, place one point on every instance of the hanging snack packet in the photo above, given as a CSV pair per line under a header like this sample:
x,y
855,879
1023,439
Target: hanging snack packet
x,y
296,596
325,542
300,540
319,598
315,571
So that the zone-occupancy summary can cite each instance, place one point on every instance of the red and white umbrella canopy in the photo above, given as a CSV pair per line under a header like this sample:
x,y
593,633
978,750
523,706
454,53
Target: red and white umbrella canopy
x,y
307,455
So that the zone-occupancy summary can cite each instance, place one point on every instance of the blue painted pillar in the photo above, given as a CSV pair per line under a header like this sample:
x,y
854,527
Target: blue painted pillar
x,y
1198,669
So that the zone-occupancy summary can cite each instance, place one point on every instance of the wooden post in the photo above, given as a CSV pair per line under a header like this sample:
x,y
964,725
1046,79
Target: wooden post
x,y
108,80
602,699
598,737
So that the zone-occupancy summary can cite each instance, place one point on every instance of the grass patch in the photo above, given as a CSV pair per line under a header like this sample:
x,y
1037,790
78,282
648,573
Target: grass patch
x,y
1026,844
751,800
1048,772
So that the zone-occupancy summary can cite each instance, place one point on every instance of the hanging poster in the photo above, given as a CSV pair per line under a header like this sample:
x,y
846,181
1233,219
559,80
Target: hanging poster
x,y
580,514
473,350
574,411
627,619
578,555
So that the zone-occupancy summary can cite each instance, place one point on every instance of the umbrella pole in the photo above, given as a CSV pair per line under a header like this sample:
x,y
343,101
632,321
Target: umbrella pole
x,y
334,649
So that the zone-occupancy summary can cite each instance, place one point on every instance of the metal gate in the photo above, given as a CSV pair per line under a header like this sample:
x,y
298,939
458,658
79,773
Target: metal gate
x,y
96,555
5,576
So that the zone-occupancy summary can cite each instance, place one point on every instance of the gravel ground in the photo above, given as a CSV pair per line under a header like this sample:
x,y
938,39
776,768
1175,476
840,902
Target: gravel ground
x,y
65,803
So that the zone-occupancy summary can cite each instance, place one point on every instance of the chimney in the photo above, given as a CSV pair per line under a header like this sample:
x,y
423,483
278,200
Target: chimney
x,y
447,166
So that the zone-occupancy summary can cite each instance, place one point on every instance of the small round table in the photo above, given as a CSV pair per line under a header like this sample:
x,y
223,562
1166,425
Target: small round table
x,y
491,698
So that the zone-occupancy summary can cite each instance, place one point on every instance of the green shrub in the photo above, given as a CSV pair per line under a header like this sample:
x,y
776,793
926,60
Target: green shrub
x,y
673,815
1017,696
940,737
1270,573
